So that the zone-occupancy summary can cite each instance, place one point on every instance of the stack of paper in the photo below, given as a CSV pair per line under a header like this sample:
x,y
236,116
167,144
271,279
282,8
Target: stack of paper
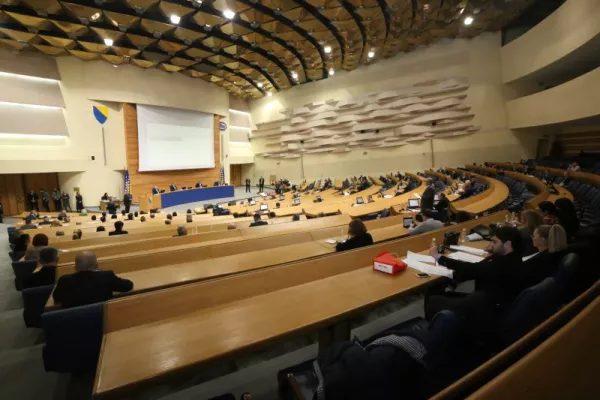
x,y
418,262
468,249
388,196
459,255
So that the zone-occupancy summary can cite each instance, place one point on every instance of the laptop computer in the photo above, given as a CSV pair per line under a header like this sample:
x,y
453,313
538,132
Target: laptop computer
x,y
296,202
407,222
264,207
413,203
252,202
359,200
319,198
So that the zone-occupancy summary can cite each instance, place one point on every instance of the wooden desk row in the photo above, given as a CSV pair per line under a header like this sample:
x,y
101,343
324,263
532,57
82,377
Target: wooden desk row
x,y
496,193
158,334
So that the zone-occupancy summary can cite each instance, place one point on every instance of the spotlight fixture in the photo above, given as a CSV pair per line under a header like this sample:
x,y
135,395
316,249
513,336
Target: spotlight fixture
x,y
468,21
259,84
371,53
331,71
108,42
95,16
269,94
175,19
228,14
327,49
294,75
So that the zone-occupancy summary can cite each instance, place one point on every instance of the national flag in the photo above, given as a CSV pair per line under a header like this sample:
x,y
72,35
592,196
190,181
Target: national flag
x,y
100,113
127,186
222,176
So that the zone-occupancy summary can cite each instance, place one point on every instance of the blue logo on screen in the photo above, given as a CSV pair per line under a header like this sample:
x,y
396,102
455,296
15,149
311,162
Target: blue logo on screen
x,y
222,126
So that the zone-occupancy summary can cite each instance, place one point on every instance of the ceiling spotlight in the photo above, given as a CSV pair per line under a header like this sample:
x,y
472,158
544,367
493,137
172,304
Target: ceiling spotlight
x,y
331,71
95,16
197,3
259,84
175,19
294,75
327,49
108,42
269,94
468,20
228,14
371,53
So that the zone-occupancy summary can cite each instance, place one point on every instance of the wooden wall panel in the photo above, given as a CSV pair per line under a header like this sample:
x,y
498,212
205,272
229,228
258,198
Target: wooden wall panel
x,y
574,143
235,173
13,189
142,182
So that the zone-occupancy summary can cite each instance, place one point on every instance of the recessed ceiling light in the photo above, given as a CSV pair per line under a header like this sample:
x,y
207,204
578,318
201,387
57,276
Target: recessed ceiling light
x,y
108,42
327,49
294,75
175,19
228,14
269,94
371,54
468,20
259,84
331,71
95,16
198,2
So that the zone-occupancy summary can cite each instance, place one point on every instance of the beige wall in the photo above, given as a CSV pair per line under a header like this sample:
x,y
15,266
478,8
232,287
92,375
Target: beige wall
x,y
84,84
573,100
477,59
564,31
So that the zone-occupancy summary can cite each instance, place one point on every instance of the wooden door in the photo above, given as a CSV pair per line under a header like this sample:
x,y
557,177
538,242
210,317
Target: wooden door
x,y
12,194
235,173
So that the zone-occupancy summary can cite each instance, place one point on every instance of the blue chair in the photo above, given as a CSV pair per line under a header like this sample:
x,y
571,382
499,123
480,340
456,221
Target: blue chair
x,y
566,276
73,338
23,270
34,300
533,306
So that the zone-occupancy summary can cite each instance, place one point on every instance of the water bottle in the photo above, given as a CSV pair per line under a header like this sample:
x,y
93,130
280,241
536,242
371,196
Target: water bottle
x,y
463,236
433,243
514,218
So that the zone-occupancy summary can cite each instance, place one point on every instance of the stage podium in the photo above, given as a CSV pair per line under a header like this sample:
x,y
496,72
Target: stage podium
x,y
150,201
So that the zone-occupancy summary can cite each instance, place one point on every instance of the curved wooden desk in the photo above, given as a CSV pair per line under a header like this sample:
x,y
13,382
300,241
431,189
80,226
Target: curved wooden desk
x,y
496,193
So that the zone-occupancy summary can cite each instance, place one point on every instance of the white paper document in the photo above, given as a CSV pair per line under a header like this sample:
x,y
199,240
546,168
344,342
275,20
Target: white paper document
x,y
388,196
420,257
459,255
429,269
469,249
528,257
418,196
331,241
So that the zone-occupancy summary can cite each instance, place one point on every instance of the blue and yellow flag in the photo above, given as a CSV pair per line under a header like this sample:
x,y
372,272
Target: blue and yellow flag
x,y
101,114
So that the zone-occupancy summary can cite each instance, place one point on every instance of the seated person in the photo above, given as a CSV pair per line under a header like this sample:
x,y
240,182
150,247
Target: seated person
x,y
77,233
174,213
189,218
258,221
530,221
168,222
111,207
277,205
55,223
94,218
181,230
468,190
118,229
22,241
29,224
114,216
442,204
426,223
37,244
231,227
45,275
105,197
370,199
358,236
549,211
155,190
143,218
46,221
100,229
296,217
123,213
130,217
136,214
89,284
551,244
169,216
173,187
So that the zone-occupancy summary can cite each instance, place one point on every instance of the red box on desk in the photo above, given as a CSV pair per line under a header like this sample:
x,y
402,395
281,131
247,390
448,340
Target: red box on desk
x,y
385,262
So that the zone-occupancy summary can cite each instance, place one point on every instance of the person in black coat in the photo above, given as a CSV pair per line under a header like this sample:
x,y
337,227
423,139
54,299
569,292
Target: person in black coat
x,y
247,185
173,187
33,197
358,237
258,221
127,198
66,200
261,184
45,276
498,280
427,198
78,202
118,229
89,284
155,190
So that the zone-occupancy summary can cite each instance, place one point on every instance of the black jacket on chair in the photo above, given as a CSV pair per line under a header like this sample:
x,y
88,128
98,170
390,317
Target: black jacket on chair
x,y
88,287
355,242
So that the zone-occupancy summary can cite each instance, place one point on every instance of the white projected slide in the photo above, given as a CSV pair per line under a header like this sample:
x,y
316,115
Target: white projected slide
x,y
172,139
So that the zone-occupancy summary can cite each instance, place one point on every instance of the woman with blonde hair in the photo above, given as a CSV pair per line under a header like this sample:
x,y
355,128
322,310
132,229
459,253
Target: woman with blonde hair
x,y
530,221
551,242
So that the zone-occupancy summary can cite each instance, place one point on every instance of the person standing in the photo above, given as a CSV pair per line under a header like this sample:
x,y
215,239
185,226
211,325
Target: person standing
x,y
78,201
247,185
56,199
1,212
261,184
127,201
66,200
427,198
32,197
45,199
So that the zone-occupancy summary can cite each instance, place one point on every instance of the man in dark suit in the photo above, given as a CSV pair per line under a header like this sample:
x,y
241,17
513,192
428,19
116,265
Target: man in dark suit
x,y
45,276
45,196
89,284
33,197
118,229
258,221
155,190
247,185
56,199
261,184
498,279
173,187
428,196
127,201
